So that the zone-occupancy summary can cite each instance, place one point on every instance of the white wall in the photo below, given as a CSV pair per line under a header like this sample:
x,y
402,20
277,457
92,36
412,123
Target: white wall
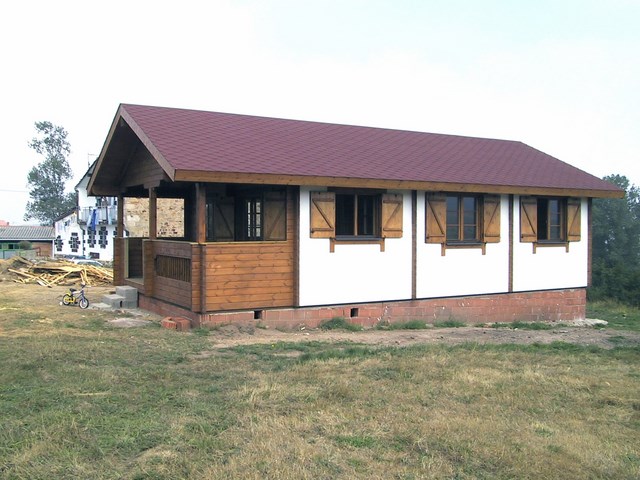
x,y
550,267
353,273
362,273
462,271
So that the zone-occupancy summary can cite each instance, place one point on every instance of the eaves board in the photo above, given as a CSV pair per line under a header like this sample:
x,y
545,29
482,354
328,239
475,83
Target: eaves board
x,y
271,179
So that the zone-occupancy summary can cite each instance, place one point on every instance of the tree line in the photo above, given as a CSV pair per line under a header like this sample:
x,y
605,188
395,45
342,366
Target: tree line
x,y
616,245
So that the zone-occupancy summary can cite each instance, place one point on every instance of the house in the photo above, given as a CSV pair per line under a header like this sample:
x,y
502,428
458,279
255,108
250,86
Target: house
x,y
290,222
89,229
11,238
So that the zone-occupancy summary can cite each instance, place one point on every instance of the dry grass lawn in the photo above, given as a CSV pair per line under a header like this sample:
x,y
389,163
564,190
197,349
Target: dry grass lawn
x,y
80,398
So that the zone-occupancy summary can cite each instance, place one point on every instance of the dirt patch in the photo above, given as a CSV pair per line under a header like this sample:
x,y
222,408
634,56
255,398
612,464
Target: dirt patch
x,y
42,304
230,336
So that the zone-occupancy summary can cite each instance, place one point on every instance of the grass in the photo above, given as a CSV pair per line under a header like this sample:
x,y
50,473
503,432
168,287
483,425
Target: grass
x,y
619,316
80,399
340,323
451,323
527,325
408,325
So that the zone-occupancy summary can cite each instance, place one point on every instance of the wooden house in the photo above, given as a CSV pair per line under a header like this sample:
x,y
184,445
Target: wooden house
x,y
292,222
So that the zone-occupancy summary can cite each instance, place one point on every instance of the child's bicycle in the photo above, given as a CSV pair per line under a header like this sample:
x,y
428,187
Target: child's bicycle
x,y
76,297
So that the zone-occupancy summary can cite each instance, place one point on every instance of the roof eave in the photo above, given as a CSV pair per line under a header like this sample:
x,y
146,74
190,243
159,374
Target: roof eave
x,y
123,116
272,179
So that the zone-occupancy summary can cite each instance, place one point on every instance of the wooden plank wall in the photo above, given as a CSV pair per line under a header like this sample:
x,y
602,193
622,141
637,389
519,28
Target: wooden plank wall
x,y
143,169
169,289
252,275
119,246
134,244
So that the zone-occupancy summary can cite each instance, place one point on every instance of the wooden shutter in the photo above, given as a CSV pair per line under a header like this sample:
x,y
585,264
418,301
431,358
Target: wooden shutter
x,y
436,218
323,215
223,219
275,215
528,219
573,219
491,218
392,215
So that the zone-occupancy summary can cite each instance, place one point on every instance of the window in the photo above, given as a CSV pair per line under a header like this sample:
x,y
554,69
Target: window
x,y
91,233
549,219
58,243
245,213
103,240
74,242
357,215
361,215
251,228
462,219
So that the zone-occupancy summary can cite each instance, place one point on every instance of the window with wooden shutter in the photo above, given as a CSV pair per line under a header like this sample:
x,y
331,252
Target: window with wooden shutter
x,y
436,223
275,215
491,219
528,219
392,215
221,219
573,219
323,214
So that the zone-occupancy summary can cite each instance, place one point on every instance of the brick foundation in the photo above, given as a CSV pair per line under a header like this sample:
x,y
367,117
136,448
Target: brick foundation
x,y
550,305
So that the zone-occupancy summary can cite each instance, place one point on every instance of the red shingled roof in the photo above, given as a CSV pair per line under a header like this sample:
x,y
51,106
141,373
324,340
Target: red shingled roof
x,y
190,140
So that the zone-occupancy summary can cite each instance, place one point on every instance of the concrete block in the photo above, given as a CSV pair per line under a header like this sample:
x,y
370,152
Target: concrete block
x,y
129,293
114,301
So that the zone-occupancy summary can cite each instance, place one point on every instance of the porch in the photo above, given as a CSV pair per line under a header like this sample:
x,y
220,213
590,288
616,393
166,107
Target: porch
x,y
209,277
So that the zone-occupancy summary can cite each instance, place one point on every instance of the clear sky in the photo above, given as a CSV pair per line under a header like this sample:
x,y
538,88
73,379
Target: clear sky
x,y
560,75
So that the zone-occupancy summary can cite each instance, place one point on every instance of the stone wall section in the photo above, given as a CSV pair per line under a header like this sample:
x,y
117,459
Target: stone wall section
x,y
170,217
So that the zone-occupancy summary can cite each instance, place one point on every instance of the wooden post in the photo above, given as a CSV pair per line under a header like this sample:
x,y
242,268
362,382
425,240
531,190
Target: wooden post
x,y
120,257
201,221
201,238
153,214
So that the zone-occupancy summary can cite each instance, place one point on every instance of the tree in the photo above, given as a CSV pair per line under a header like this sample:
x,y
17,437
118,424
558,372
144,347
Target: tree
x,y
47,179
616,245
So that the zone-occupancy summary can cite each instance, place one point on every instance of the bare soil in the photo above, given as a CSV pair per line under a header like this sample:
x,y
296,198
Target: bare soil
x,y
34,300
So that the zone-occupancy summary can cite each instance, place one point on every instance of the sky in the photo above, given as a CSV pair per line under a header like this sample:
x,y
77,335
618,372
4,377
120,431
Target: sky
x,y
560,75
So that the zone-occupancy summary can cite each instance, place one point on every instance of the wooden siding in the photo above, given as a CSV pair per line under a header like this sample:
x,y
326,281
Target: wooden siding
x,y
251,275
142,169
166,288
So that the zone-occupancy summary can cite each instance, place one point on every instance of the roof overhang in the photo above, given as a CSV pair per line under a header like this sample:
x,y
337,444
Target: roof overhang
x,y
267,179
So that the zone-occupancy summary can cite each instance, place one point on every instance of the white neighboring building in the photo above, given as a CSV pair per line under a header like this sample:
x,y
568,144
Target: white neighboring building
x,y
89,230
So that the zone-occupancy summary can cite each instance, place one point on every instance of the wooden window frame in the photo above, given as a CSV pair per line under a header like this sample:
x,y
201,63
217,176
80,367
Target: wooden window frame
x,y
460,241
387,217
487,220
531,208
246,213
373,224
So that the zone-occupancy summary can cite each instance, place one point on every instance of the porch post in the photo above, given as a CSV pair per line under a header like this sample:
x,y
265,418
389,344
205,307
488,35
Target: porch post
x,y
201,221
120,257
201,238
148,258
153,214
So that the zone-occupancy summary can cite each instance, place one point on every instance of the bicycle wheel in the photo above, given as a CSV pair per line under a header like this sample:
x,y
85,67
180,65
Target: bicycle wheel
x,y
67,299
83,302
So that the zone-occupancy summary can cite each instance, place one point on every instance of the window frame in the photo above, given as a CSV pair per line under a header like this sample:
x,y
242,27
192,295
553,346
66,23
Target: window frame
x,y
544,220
246,213
570,211
374,199
461,220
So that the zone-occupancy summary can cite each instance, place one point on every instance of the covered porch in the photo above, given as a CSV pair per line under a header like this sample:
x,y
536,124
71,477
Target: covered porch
x,y
219,265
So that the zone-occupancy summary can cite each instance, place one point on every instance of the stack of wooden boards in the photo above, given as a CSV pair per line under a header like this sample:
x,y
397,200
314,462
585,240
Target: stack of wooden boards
x,y
59,272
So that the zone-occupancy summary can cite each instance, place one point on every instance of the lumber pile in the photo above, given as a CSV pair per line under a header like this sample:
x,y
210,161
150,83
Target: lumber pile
x,y
59,272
